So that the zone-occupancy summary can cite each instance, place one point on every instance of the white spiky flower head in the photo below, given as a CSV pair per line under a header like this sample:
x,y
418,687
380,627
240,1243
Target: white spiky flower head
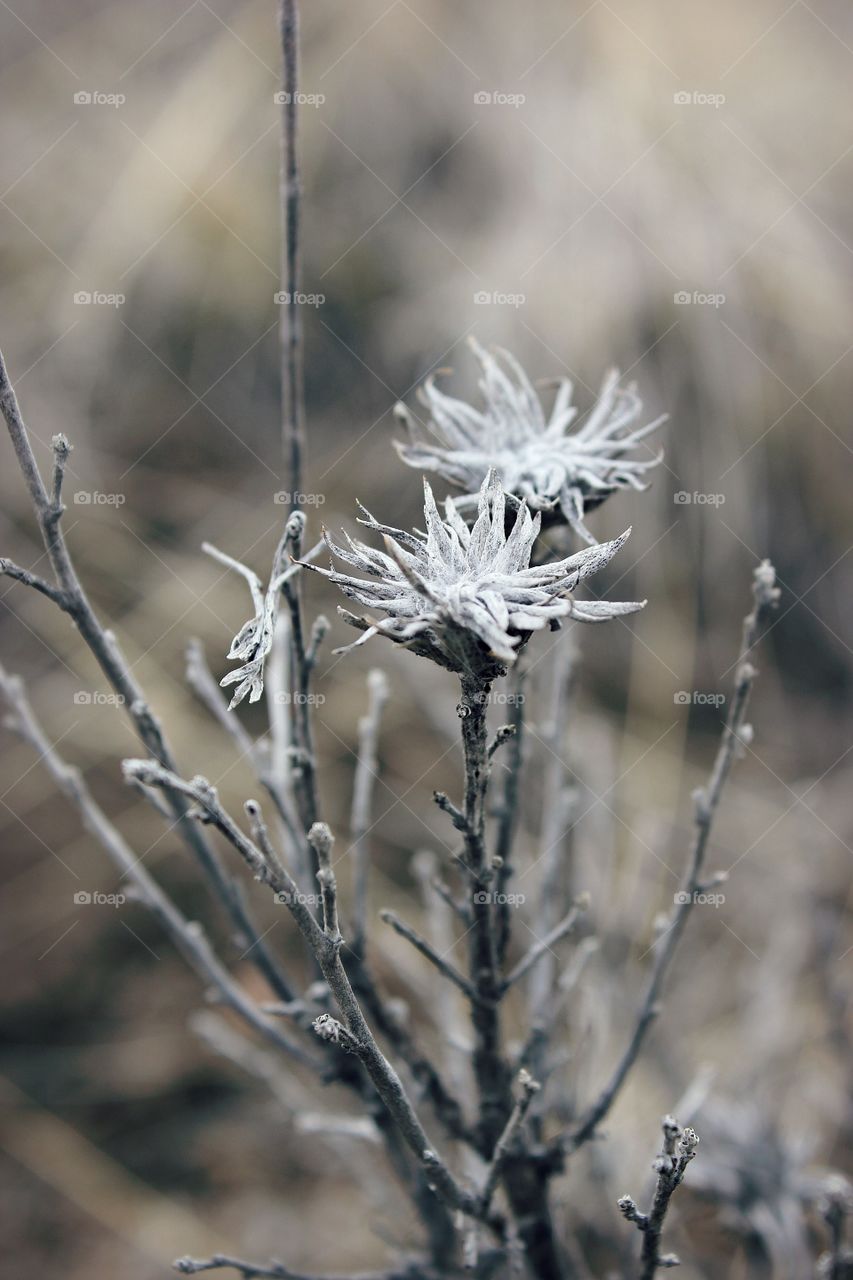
x,y
468,598
561,473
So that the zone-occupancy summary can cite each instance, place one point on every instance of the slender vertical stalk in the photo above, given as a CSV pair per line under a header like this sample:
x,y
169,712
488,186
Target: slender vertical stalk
x,y
525,1179
706,804
290,324
509,807
490,1068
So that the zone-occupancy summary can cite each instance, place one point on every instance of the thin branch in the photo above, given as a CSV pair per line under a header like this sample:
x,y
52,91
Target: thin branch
x,y
303,661
321,841
30,579
504,735
490,1067
261,836
707,802
448,1013
61,452
679,1148
455,814
508,809
556,833
222,1038
428,1079
537,1036
544,945
206,688
326,951
367,767
503,1146
273,1270
105,649
290,322
203,683
426,948
188,936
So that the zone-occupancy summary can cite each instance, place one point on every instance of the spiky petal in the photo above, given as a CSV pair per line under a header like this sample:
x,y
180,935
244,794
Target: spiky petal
x,y
467,598
561,473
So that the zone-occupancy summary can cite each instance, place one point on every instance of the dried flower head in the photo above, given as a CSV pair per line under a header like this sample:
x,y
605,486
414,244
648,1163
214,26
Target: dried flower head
x,y
252,644
560,473
468,598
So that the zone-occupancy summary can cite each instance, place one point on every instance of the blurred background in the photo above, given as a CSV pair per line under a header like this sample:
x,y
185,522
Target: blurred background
x,y
661,187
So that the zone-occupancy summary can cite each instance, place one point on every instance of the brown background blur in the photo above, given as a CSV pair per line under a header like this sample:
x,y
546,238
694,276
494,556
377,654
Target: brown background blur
x,y
629,153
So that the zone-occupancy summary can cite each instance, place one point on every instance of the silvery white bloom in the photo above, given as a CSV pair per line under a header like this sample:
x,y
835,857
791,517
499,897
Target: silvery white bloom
x,y
253,642
468,598
560,473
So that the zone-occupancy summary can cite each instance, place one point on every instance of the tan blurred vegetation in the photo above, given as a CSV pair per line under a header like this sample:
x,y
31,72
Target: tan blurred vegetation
x,y
598,199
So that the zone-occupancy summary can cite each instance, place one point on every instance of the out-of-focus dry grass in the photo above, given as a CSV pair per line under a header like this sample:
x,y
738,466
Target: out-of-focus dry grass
x,y
598,198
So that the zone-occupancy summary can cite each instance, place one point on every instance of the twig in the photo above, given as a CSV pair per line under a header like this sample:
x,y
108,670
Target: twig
x,y
836,1205
490,1068
276,1271
303,661
321,841
503,1146
188,936
290,322
222,1038
74,601
679,1148
545,945
504,735
201,680
426,948
447,1012
766,596
326,951
537,1036
556,833
30,579
394,1030
509,806
366,769
455,814
261,835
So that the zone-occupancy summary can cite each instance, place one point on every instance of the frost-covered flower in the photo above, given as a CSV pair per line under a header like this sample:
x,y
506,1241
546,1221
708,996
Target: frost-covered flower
x,y
559,472
252,644
468,598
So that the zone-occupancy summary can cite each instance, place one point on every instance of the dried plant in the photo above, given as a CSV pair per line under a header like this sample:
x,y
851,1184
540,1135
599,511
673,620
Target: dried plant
x,y
477,1151
558,472
679,1148
469,599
